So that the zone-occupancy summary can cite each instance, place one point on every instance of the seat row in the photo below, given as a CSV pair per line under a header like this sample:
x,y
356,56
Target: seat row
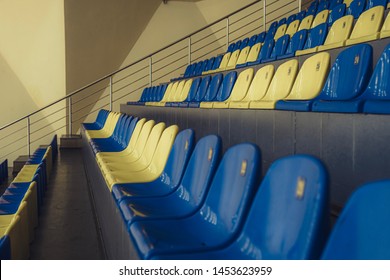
x,y
348,86
209,205
3,171
21,203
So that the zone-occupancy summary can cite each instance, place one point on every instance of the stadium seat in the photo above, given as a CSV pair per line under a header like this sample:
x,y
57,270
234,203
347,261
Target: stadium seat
x,y
252,55
367,26
209,65
219,219
306,22
336,13
257,89
347,79
237,45
170,177
187,197
292,28
377,94
280,86
192,93
181,95
280,31
322,6
374,3
212,90
261,37
5,247
288,219
290,19
385,31
265,52
297,42
231,47
362,230
338,33
308,84
335,3
232,61
242,58
99,122
223,64
224,90
356,8
321,17
239,90
315,38
200,94
279,49
301,15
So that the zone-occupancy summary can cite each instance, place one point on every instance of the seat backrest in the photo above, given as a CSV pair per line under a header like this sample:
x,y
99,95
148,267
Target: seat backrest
x,y
209,64
292,27
225,60
282,21
178,158
306,23
297,42
201,169
374,3
282,81
252,41
180,97
280,31
335,3
217,62
167,92
261,37
271,31
379,85
135,134
368,23
349,75
260,83
129,131
204,85
174,95
254,52
356,8
244,43
321,17
290,19
336,13
233,58
289,217
266,49
188,71
231,190
348,2
311,77
237,46
243,55
194,89
340,30
312,10
242,84
143,94
316,36
213,88
362,230
231,47
301,15
123,131
151,144
280,46
139,145
226,87
163,89
386,24
322,6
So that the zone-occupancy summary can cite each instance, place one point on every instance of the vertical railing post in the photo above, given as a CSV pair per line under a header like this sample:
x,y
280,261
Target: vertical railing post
x,y
227,33
110,93
70,115
265,14
299,6
28,136
189,51
150,72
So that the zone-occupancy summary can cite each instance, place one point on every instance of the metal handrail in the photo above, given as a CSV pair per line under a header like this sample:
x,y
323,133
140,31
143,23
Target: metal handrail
x,y
128,66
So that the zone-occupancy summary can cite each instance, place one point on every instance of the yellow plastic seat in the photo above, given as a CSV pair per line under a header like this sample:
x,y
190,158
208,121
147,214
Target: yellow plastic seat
x,y
239,90
321,17
232,61
180,97
293,27
156,166
280,86
338,33
242,57
26,174
107,129
280,31
222,65
254,52
347,2
166,93
311,77
175,94
306,23
385,31
367,26
257,89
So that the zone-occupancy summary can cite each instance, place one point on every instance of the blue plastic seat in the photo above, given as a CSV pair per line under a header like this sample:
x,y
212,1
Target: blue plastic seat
x,y
5,248
189,195
290,19
346,80
322,6
226,87
198,69
218,220
209,64
192,93
282,21
231,47
334,3
264,53
316,37
374,3
169,179
279,49
99,122
377,94
237,45
362,231
296,43
244,43
301,15
356,8
203,87
271,31
252,40
261,37
288,219
213,88
312,10
336,13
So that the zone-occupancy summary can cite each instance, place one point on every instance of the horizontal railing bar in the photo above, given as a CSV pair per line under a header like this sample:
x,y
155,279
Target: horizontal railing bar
x,y
217,39
131,64
89,95
125,77
139,79
89,104
47,116
36,140
43,127
171,54
8,135
172,62
208,53
125,95
14,151
211,34
242,18
73,121
13,142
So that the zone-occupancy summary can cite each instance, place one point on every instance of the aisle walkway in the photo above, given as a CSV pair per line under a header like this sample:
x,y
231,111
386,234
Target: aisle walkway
x,y
67,226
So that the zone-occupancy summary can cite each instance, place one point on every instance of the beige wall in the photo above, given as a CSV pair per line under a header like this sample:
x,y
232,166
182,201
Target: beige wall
x,y
32,52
